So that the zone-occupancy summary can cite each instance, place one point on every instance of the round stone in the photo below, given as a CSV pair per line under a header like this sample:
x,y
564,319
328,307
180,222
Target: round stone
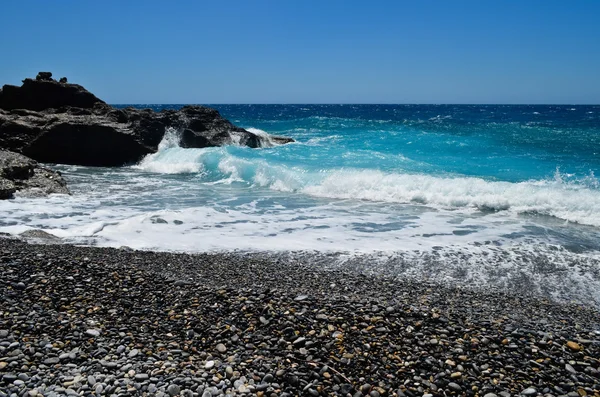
x,y
454,386
92,332
173,390
268,378
573,346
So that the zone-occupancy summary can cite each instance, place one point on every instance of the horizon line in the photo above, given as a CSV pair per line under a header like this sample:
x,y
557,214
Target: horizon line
x,y
361,104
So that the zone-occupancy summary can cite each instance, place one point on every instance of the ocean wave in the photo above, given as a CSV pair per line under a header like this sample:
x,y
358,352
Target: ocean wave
x,y
571,202
562,196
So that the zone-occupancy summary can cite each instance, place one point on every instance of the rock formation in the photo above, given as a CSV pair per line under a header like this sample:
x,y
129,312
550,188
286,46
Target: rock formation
x,y
20,173
45,93
58,122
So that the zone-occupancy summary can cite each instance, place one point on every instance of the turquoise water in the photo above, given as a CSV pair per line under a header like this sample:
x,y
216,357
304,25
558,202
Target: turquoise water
x,y
482,194
509,143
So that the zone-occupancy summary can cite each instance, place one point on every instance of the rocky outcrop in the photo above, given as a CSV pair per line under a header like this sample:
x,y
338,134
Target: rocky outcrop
x,y
58,122
44,93
22,174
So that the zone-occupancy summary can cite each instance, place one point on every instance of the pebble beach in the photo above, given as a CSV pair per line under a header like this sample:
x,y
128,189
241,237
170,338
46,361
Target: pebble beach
x,y
118,322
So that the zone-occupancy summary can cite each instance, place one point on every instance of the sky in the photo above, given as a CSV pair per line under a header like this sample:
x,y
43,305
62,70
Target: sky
x,y
309,51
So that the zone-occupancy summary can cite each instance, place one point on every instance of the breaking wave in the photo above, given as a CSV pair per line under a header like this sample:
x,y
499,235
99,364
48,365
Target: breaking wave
x,y
575,201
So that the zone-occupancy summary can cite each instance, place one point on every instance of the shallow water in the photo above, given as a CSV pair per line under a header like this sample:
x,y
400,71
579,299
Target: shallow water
x,y
497,193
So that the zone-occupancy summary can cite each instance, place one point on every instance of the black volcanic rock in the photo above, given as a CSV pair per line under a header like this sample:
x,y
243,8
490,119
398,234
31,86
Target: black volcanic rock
x,y
20,173
46,76
59,122
44,93
82,142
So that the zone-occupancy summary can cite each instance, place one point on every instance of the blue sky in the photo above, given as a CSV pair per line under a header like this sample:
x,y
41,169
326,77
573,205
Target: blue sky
x,y
326,51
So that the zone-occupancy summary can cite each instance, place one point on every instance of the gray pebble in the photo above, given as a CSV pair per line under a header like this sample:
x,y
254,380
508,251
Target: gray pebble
x,y
173,390
454,386
92,332
569,368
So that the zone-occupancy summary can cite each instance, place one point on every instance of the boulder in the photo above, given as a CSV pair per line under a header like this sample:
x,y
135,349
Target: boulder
x,y
85,143
45,76
7,188
24,175
40,236
60,122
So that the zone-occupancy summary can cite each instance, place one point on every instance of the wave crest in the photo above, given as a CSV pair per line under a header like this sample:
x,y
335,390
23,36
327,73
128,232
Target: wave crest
x,y
561,196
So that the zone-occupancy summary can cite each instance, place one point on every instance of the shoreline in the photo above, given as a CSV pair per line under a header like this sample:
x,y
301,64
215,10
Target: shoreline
x,y
114,321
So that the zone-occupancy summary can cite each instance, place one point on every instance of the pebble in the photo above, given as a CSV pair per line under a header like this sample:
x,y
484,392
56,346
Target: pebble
x,y
93,332
573,346
454,386
173,390
299,342
221,348
366,337
268,378
570,368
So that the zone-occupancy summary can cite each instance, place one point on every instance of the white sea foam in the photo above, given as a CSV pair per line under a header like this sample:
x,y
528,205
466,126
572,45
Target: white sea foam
x,y
569,202
264,135
447,239
266,139
577,202
171,158
421,244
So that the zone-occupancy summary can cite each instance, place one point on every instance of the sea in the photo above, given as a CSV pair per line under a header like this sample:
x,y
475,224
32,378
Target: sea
x,y
499,197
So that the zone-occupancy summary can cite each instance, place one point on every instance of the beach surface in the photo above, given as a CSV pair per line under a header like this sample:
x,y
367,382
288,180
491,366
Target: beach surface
x,y
104,321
